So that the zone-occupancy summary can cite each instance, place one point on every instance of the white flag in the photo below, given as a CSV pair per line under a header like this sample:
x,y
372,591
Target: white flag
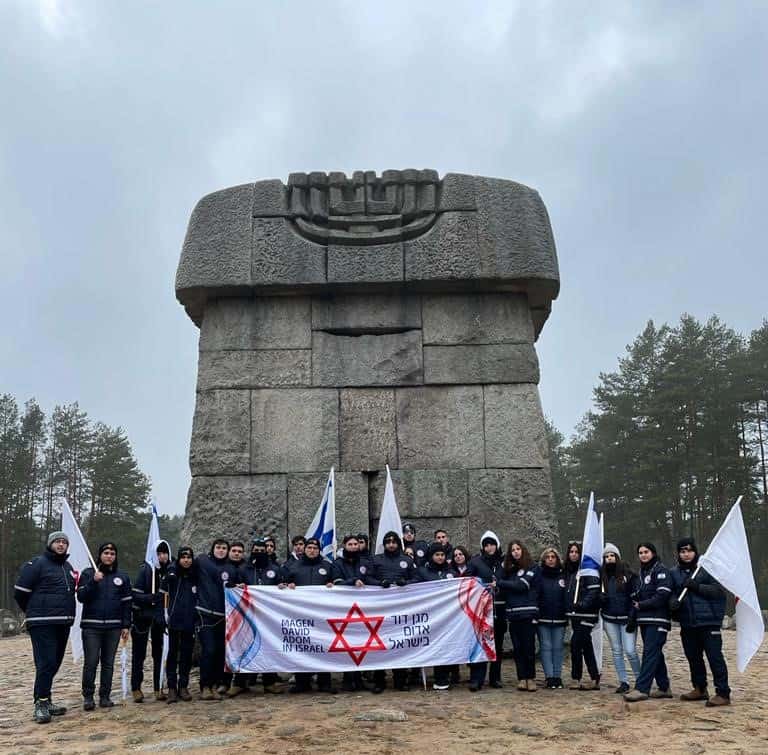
x,y
80,559
727,560
389,521
323,526
153,538
597,630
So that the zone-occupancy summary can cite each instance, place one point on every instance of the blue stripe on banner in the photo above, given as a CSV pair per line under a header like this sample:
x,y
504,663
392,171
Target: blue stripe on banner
x,y
587,562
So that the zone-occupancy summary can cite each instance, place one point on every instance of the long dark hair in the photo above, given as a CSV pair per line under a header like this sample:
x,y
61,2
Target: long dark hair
x,y
525,561
569,566
621,574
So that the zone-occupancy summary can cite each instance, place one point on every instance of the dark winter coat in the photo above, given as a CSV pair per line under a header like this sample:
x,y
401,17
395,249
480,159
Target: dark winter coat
x,y
587,607
308,571
521,593
107,603
391,568
552,596
615,603
212,576
148,606
181,587
346,571
704,603
654,589
45,590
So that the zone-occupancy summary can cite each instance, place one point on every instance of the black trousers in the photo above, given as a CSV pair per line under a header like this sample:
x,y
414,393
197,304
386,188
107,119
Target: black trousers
x,y
99,649
653,666
582,651
180,647
211,653
399,677
141,633
303,681
701,641
523,636
477,670
49,643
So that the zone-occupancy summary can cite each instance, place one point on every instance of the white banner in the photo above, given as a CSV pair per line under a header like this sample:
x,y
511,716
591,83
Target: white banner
x,y
313,629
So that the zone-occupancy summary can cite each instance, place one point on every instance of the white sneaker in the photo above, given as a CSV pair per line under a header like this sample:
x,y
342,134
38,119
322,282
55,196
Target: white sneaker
x,y
441,687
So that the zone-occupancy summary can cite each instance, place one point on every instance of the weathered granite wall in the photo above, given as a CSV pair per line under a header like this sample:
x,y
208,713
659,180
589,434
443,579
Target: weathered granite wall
x,y
369,321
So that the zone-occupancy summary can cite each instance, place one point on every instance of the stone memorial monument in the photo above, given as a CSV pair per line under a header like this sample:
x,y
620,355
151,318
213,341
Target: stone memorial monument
x,y
361,321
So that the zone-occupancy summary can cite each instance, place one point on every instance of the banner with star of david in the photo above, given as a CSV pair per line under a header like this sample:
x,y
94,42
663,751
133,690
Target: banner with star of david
x,y
313,629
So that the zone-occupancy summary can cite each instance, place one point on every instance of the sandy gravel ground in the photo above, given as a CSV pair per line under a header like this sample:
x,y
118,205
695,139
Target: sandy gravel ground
x,y
492,721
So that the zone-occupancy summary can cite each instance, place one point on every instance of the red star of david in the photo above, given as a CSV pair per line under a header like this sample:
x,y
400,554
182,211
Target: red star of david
x,y
356,652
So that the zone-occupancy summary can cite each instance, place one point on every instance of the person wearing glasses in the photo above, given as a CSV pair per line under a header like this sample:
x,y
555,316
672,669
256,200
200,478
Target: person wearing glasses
x,y
105,593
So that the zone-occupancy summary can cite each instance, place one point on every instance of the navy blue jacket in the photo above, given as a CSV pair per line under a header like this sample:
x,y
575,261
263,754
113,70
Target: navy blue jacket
x,y
587,607
431,572
489,569
146,605
45,590
654,589
616,605
308,571
521,592
181,587
348,571
704,603
212,575
552,596
420,551
106,604
249,574
392,567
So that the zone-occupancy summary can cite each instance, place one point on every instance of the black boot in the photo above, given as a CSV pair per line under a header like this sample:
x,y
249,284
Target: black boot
x,y
56,710
88,703
42,712
105,702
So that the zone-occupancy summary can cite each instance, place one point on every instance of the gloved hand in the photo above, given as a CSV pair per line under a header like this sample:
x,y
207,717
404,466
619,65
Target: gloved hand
x,y
385,583
674,605
691,584
400,582
631,626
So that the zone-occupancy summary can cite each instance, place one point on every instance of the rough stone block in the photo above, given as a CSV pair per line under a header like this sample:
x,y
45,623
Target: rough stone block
x,y
451,319
458,193
425,493
270,199
365,264
374,313
439,427
269,322
273,368
456,527
294,430
514,234
448,251
492,363
515,503
367,428
390,359
305,491
514,427
221,433
280,257
236,507
217,247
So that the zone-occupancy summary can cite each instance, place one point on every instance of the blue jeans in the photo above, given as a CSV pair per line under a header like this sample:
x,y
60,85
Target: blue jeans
x,y
551,649
622,642
653,665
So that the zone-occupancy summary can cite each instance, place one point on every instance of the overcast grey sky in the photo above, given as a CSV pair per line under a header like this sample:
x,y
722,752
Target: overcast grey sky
x,y
641,124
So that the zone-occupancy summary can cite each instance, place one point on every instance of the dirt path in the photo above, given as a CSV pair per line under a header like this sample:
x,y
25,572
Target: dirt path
x,y
492,721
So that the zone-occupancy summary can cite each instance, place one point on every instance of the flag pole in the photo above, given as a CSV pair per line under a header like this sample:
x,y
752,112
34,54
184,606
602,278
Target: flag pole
x,y
682,595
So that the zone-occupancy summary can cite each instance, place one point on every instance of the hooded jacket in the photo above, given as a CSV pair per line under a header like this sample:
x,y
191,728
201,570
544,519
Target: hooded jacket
x,y
181,586
106,603
489,568
148,606
45,590
389,568
212,576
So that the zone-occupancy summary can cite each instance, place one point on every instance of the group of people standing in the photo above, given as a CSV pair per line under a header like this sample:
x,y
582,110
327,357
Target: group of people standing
x,y
533,599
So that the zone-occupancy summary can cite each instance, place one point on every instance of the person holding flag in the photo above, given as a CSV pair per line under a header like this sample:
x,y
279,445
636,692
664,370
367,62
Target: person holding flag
x,y
700,614
45,592
149,620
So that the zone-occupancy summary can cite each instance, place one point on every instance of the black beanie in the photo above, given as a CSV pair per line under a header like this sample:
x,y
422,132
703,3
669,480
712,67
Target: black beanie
x,y
651,547
687,542
108,544
185,550
437,548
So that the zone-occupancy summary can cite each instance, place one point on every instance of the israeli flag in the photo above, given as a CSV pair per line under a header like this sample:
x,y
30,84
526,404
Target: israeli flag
x,y
323,526
153,538
592,544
